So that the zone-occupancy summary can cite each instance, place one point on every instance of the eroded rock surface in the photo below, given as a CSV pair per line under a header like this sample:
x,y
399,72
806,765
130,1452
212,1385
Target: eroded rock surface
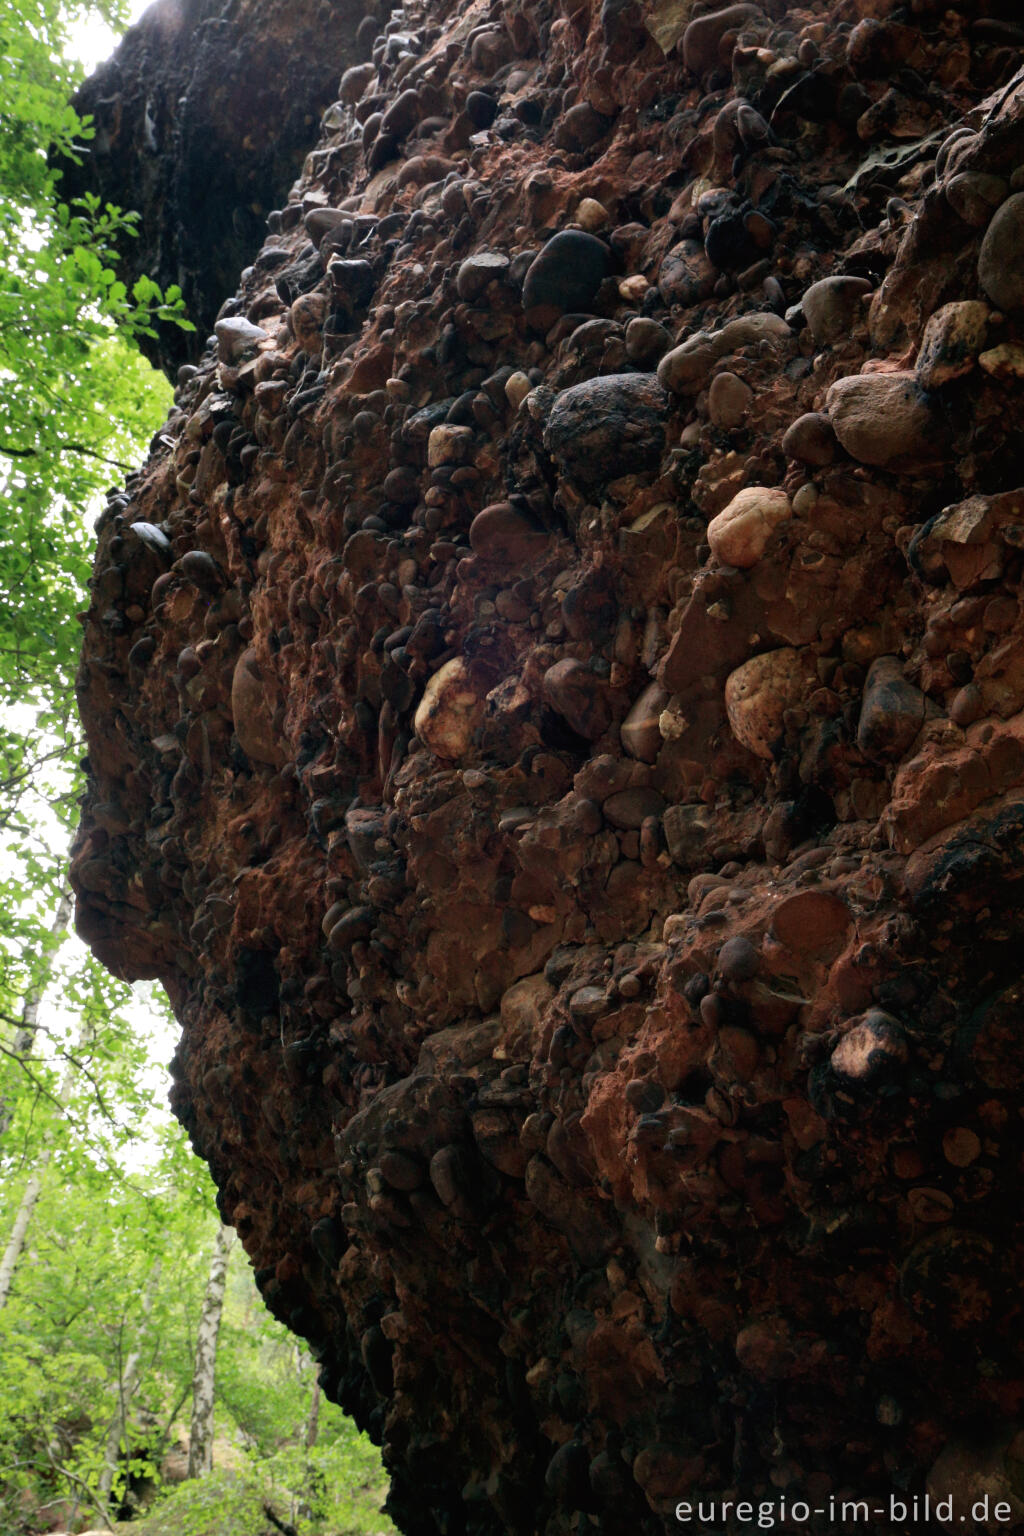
x,y
598,962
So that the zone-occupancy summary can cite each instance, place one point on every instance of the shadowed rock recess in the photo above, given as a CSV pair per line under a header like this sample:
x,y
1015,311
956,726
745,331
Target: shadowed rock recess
x,y
555,705
201,118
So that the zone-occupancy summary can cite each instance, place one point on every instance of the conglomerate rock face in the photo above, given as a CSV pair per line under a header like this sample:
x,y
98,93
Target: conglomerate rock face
x,y
555,699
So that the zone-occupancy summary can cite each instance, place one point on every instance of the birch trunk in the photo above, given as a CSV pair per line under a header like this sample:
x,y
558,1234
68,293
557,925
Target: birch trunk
x,y
126,1391
25,1033
313,1422
200,1439
21,1046
16,1241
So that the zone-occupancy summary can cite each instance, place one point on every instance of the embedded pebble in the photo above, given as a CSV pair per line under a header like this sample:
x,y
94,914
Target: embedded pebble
x,y
577,695
237,338
892,712
974,196
738,960
685,369
952,339
517,387
591,215
477,271
729,400
450,711
448,445
608,427
758,694
885,419
646,341
703,37
581,127
833,306
811,439
567,272
501,533
640,731
630,808
253,702
1001,258
740,533
874,1044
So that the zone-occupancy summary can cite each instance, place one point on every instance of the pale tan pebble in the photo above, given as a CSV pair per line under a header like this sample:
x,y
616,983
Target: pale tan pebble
x,y
740,533
758,694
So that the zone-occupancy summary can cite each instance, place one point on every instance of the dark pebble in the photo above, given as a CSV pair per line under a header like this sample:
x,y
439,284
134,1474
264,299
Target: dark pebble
x,y
568,272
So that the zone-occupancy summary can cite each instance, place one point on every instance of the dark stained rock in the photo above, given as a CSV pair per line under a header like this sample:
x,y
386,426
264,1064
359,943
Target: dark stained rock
x,y
1000,266
892,714
607,427
567,272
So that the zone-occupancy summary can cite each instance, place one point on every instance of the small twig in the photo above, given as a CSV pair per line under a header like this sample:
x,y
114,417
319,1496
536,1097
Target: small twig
x,y
79,1482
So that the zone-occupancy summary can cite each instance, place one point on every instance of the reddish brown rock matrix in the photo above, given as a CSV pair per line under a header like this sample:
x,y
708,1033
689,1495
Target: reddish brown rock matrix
x,y
556,729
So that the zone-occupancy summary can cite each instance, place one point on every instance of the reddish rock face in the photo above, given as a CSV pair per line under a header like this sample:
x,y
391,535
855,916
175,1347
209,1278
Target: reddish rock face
x,y
598,962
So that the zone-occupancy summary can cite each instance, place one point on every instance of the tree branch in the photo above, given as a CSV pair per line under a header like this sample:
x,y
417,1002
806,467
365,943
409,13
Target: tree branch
x,y
282,1525
79,1482
91,453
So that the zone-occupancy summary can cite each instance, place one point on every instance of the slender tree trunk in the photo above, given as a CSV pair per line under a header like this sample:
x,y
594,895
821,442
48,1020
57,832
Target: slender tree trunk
x,y
16,1241
25,1034
200,1439
22,1045
126,1391
313,1421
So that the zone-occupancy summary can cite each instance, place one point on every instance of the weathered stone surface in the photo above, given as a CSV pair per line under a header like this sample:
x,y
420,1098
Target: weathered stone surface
x,y
597,959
